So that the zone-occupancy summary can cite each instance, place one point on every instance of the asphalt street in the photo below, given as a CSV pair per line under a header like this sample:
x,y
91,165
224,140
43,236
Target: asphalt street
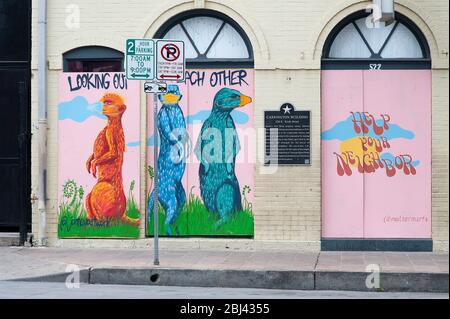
x,y
39,290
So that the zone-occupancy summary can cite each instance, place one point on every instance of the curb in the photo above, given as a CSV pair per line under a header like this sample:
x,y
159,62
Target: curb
x,y
389,282
260,279
57,277
289,280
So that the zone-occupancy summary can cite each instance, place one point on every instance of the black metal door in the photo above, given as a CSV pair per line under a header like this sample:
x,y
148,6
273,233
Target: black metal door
x,y
15,74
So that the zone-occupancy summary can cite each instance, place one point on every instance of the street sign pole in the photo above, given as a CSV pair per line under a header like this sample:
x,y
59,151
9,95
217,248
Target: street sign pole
x,y
155,192
157,62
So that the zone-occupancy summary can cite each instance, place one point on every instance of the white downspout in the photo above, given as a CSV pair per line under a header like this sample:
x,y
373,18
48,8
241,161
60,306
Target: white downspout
x,y
42,118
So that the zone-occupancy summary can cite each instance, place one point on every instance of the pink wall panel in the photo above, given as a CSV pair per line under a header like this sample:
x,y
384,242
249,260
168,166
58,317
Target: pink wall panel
x,y
342,196
389,131
81,123
400,206
198,95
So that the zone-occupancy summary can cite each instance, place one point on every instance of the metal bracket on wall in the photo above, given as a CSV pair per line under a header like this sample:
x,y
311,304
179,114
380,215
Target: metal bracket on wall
x,y
33,199
199,4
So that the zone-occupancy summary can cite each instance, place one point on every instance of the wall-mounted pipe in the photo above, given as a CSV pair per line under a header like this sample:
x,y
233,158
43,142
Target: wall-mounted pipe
x,y
42,118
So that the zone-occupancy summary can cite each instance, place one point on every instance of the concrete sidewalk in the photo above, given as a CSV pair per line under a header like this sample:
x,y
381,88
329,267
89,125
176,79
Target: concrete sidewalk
x,y
422,272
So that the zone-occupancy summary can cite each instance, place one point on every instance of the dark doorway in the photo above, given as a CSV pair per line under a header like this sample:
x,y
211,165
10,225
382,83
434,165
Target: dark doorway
x,y
15,75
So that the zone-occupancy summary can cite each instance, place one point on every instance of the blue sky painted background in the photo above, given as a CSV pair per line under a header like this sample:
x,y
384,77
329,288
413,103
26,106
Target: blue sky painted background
x,y
344,130
199,117
79,110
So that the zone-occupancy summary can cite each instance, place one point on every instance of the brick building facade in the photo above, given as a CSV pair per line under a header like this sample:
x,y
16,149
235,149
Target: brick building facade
x,y
288,39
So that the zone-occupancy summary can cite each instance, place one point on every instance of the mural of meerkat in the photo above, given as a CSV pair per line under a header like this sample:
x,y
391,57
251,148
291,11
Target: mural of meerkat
x,y
172,157
107,199
219,186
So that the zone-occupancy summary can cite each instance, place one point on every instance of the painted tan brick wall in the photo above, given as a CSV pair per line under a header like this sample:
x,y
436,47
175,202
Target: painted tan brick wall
x,y
288,202
287,37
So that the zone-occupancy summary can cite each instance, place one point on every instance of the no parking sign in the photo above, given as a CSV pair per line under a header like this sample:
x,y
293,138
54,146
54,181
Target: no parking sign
x,y
170,62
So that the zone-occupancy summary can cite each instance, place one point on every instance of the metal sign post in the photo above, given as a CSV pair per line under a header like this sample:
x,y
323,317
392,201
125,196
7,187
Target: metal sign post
x,y
167,64
156,88
155,192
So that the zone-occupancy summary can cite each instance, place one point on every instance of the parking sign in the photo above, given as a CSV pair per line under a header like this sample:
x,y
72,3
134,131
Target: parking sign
x,y
140,61
170,60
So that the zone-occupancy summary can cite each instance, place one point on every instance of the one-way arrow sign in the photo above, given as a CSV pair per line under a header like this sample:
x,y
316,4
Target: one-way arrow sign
x,y
155,87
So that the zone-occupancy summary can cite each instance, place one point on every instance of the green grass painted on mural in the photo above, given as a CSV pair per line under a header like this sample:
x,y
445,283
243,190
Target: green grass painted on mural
x,y
196,220
132,209
73,222
78,226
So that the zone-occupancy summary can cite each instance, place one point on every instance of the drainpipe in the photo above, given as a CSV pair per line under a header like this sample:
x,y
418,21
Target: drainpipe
x,y
42,118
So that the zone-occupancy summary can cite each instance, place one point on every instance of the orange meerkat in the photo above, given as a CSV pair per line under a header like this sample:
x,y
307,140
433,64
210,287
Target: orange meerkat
x,y
107,199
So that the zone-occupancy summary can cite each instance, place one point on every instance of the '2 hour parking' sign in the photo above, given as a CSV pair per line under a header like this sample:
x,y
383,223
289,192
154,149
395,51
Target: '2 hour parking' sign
x,y
140,62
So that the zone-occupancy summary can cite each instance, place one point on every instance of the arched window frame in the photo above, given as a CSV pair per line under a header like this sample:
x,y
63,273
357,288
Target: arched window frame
x,y
375,60
92,54
202,61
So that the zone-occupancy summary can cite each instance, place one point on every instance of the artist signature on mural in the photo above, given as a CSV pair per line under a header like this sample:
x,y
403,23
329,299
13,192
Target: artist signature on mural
x,y
405,219
67,224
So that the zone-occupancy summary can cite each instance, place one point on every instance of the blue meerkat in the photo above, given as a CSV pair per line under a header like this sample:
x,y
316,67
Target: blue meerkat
x,y
172,157
217,148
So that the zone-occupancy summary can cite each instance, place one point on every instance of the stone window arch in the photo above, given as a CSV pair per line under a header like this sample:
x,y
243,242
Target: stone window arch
x,y
212,39
93,59
357,40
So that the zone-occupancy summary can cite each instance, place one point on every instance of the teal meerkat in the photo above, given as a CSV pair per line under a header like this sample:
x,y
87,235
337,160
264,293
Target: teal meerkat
x,y
216,149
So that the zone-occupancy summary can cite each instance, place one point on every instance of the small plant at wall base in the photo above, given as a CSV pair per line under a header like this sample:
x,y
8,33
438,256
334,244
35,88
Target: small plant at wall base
x,y
72,202
151,175
196,220
73,221
132,209
245,203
